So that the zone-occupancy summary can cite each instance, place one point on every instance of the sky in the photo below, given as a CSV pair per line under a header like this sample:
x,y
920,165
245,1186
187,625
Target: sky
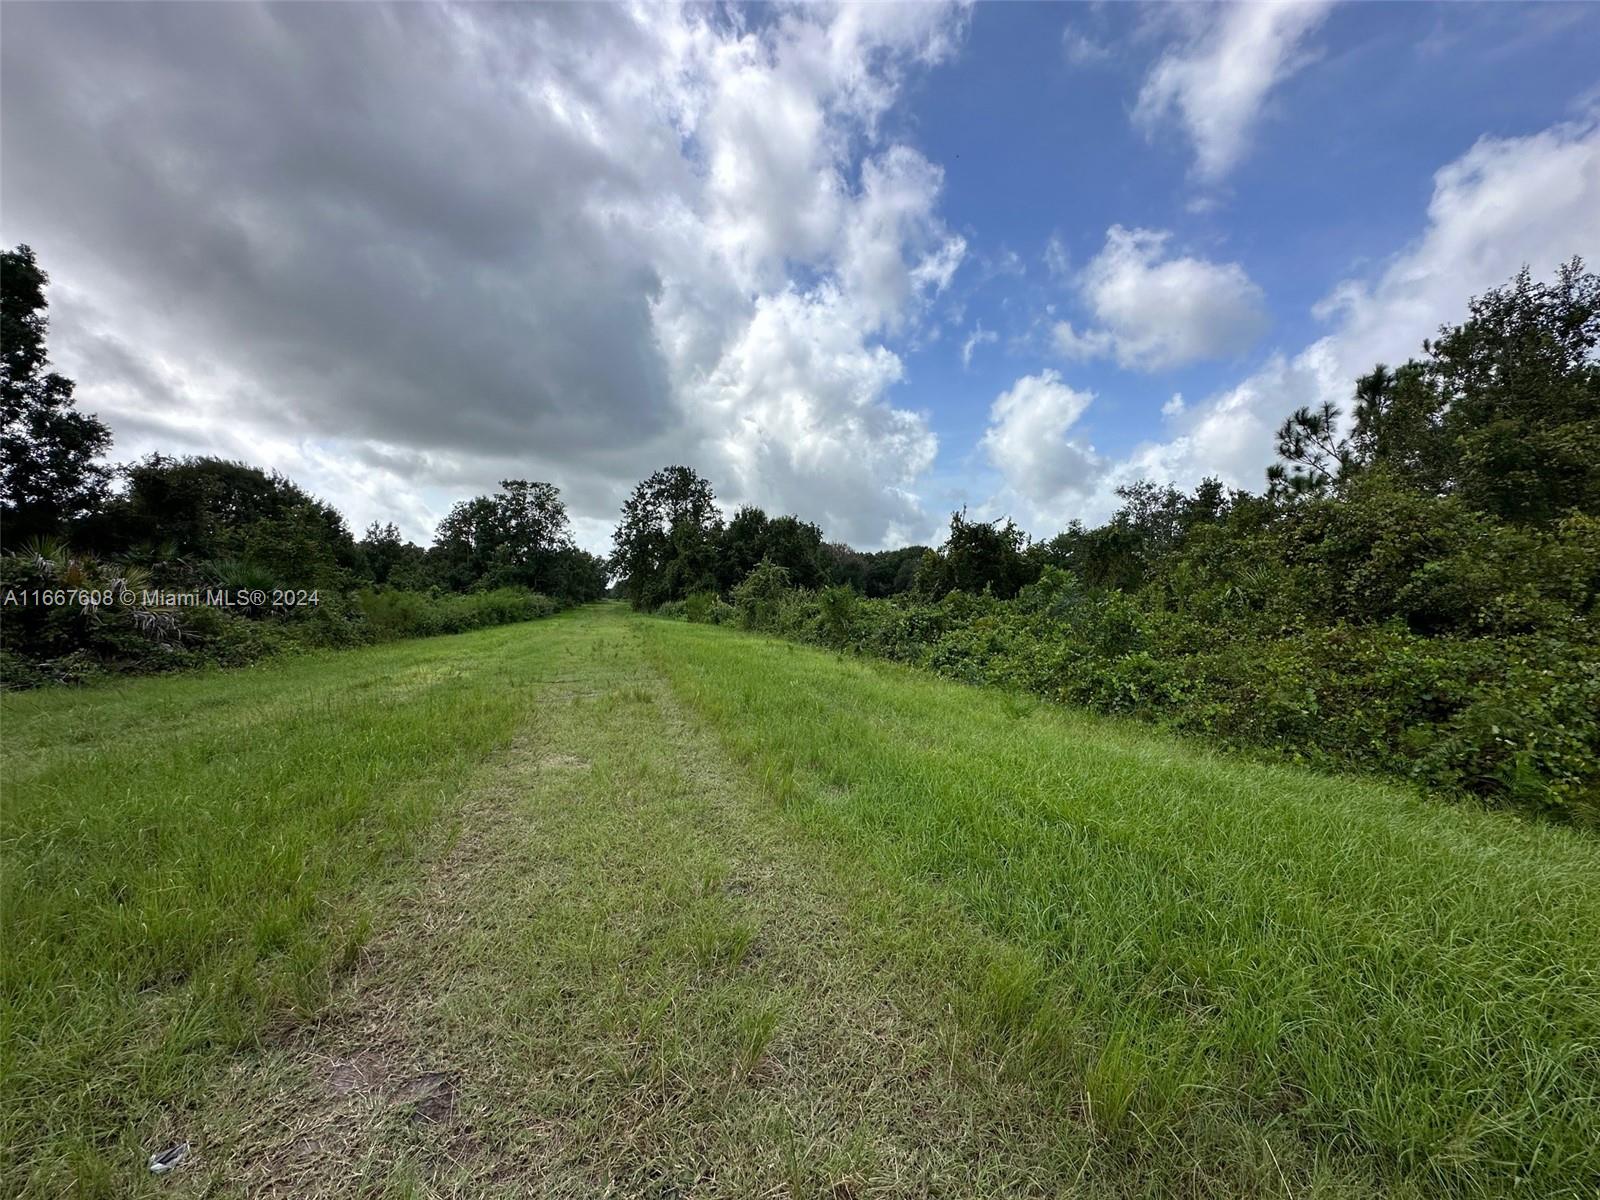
x,y
867,264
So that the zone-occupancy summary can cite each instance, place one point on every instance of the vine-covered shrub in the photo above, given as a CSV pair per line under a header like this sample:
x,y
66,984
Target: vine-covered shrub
x,y
400,614
1514,718
83,628
705,608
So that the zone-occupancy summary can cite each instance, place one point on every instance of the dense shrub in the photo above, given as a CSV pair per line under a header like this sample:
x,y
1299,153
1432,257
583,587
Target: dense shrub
x,y
396,614
1513,718
704,608
758,597
78,642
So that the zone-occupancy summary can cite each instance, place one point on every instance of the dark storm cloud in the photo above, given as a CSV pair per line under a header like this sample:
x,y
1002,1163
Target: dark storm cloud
x,y
362,209
403,253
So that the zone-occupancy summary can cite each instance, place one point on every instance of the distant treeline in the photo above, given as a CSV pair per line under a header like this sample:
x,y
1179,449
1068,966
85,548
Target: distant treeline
x,y
93,553
1415,593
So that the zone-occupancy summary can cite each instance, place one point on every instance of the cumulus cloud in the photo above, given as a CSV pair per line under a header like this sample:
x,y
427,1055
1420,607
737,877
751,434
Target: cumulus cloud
x,y
1216,81
1157,312
894,211
794,403
404,252
1506,203
1029,442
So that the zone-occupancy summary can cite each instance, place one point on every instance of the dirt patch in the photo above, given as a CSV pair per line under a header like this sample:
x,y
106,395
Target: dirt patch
x,y
431,1096
362,1073
562,762
365,1083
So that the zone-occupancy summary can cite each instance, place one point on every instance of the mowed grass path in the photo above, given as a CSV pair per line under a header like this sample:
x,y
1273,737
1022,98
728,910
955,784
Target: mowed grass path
x,y
609,905
1205,946
184,860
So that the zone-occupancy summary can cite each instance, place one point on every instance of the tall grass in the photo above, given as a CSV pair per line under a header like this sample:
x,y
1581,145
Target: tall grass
x,y
1200,961
398,614
183,861
1207,947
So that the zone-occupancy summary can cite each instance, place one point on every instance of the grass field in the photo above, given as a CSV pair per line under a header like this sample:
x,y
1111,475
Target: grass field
x,y
610,905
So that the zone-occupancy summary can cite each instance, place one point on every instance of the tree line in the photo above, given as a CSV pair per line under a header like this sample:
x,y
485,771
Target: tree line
x,y
1495,427
72,524
1413,589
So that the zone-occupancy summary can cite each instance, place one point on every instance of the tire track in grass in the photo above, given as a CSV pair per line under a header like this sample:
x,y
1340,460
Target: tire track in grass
x,y
1402,992
628,977
184,858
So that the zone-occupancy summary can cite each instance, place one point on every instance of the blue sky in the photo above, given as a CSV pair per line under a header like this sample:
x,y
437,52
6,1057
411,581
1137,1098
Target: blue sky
x,y
1039,144
867,264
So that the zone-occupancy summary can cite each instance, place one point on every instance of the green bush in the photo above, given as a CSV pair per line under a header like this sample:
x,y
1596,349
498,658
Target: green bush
x,y
74,643
707,608
1512,718
758,597
700,608
837,607
399,614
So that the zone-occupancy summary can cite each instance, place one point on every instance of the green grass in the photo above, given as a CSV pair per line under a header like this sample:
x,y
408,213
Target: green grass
x,y
179,861
1208,946
679,911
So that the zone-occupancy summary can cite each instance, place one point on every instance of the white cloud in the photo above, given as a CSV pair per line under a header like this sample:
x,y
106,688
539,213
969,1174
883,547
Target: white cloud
x,y
1081,50
1156,312
1077,345
978,337
590,241
1056,258
1507,202
793,408
894,213
1216,83
1173,406
1028,441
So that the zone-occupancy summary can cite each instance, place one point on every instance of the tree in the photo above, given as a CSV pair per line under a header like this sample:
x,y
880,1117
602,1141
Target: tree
x,y
796,546
791,543
876,573
978,556
665,546
1502,410
903,563
1516,399
1313,455
1108,556
743,544
204,510
389,558
577,576
513,538
1152,526
846,567
48,474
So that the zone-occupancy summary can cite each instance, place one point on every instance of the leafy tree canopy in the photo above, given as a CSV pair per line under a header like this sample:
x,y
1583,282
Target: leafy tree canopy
x,y
48,473
512,538
788,541
199,509
1502,410
665,546
978,556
